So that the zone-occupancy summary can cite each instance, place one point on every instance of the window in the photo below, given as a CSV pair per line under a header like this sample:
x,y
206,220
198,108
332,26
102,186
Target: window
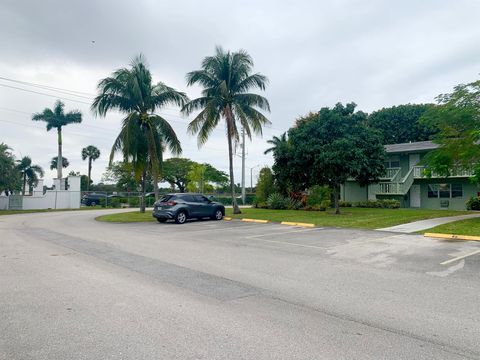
x,y
457,190
200,199
445,191
432,190
393,162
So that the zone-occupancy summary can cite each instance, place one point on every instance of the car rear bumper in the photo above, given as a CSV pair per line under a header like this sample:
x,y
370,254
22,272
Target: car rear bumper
x,y
163,214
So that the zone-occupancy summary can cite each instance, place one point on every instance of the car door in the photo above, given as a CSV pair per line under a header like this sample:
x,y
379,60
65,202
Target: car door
x,y
191,204
203,206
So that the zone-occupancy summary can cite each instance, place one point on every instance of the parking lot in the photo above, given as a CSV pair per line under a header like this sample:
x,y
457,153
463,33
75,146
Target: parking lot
x,y
232,289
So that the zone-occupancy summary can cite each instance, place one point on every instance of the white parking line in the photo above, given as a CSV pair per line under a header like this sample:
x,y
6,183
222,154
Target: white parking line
x,y
460,257
282,233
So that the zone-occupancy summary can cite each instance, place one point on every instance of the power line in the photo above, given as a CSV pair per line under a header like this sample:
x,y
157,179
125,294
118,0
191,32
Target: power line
x,y
40,93
47,87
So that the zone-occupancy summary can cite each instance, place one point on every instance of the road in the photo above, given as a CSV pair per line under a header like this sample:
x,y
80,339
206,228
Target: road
x,y
74,288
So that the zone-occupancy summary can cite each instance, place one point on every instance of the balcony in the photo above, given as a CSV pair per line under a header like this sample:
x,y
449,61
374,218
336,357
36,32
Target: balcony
x,y
419,173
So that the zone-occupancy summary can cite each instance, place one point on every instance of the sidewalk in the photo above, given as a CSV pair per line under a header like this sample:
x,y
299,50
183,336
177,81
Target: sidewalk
x,y
426,224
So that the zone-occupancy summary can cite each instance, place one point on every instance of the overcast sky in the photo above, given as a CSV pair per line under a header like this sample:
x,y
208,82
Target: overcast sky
x,y
315,54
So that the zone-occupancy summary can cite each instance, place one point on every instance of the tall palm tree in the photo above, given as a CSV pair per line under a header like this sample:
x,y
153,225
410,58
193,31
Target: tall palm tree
x,y
30,172
276,142
144,134
92,153
226,79
54,163
57,118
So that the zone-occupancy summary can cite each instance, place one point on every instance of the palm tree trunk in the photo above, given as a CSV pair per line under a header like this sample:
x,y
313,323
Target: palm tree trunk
x,y
229,118
335,200
89,172
59,158
144,187
24,182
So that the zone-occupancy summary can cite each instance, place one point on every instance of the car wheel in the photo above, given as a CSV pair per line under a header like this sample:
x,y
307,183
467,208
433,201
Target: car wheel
x,y
93,203
181,217
161,220
218,215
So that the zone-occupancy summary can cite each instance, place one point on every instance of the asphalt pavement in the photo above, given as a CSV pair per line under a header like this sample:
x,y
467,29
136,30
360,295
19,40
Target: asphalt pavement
x,y
74,288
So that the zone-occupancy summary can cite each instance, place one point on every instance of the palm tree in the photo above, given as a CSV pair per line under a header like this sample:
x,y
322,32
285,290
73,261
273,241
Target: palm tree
x,y
226,79
144,134
92,153
54,163
277,143
30,172
57,119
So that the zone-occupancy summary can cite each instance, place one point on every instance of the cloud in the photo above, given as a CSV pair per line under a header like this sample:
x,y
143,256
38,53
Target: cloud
x,y
315,53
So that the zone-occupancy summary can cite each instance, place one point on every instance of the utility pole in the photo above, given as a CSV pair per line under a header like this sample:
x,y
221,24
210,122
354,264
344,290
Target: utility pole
x,y
243,165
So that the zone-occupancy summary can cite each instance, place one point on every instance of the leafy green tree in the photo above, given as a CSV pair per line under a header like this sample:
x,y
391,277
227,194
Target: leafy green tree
x,y
457,116
57,119
29,172
91,153
400,124
265,185
54,163
215,176
175,171
226,79
122,174
196,178
333,145
144,134
9,174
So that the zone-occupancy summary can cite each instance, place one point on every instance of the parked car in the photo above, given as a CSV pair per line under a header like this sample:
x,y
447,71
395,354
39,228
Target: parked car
x,y
94,199
183,206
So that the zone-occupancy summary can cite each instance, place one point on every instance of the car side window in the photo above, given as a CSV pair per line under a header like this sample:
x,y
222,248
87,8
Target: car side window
x,y
188,198
200,199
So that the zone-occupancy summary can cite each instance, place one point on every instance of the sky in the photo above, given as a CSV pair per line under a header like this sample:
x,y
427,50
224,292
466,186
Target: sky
x,y
314,53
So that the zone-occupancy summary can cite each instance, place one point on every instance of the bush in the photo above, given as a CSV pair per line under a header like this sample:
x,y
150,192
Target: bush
x,y
342,203
265,185
276,202
292,204
385,204
473,203
317,194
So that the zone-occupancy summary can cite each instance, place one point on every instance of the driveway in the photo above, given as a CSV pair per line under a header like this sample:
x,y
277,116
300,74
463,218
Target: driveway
x,y
73,288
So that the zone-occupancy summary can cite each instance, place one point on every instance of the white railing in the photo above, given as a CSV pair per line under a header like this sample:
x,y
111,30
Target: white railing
x,y
391,173
394,187
419,172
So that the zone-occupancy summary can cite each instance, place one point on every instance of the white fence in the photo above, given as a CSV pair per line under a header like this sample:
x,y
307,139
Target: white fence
x,y
52,199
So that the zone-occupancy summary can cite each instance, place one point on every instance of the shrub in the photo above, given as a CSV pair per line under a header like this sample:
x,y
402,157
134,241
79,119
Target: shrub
x,y
317,194
276,202
292,204
473,203
385,204
265,185
342,203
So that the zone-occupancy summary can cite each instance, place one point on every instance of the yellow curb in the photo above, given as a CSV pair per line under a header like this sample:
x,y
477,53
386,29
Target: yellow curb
x,y
297,224
227,218
452,237
255,220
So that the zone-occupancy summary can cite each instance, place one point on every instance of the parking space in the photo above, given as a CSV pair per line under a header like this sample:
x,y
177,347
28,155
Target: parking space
x,y
379,249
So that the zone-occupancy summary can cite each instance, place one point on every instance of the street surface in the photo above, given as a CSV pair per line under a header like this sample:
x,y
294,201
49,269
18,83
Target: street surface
x,y
74,288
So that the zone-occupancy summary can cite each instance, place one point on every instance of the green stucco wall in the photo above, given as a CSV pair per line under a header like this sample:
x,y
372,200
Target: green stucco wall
x,y
353,192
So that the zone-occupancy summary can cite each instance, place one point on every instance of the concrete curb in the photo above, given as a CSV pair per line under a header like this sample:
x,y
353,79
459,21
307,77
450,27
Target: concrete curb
x,y
297,224
227,218
452,236
255,220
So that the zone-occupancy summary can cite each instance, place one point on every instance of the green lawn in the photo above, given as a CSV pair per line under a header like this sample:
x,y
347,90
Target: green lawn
x,y
469,227
350,217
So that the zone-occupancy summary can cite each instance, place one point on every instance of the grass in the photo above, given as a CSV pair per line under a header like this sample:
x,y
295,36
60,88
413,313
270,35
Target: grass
x,y
469,227
350,217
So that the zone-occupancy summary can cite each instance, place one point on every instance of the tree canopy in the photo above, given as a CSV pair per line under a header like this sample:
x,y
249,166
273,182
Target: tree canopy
x,y
401,124
9,175
457,117
332,145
